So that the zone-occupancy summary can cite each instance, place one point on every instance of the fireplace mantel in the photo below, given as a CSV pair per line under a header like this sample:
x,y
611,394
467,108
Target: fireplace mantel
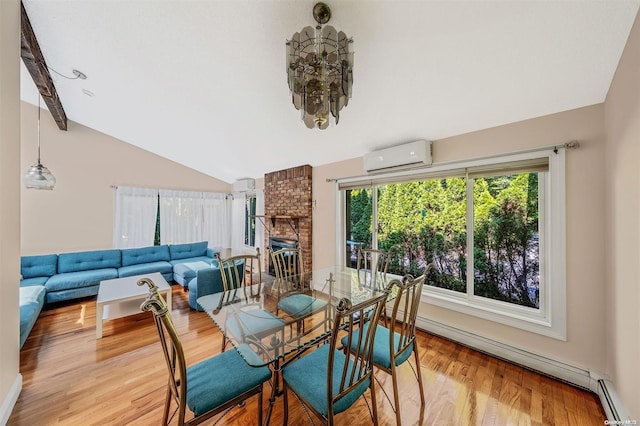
x,y
292,221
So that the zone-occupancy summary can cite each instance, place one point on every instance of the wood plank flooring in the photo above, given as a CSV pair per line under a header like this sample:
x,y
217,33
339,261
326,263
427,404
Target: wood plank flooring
x,y
70,378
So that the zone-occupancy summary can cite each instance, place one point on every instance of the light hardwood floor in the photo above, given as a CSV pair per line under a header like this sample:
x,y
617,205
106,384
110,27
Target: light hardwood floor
x,y
71,378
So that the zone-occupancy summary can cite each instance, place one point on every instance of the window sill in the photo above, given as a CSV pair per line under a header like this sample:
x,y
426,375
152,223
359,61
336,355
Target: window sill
x,y
523,318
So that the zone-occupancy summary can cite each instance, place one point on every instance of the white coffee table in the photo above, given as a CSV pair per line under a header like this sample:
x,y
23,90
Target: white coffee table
x,y
122,297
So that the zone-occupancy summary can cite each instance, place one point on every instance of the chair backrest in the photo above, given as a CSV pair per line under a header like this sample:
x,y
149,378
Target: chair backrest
x,y
287,263
405,311
241,270
171,346
372,265
353,319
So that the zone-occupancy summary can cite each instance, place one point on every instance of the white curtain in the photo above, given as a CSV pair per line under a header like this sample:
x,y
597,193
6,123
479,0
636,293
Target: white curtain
x,y
216,213
237,223
135,215
181,217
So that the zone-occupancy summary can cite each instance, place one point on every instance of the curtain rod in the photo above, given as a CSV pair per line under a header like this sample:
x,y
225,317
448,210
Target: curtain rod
x,y
226,194
572,144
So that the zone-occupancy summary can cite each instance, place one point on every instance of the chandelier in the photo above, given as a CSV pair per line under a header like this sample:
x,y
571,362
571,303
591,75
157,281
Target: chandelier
x,y
320,70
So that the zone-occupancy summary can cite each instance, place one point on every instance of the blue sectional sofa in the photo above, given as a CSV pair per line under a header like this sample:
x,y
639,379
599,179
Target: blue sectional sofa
x,y
54,278
31,303
34,272
79,274
187,260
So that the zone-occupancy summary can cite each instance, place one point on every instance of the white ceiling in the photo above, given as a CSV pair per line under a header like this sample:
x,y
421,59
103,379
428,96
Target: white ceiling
x,y
203,83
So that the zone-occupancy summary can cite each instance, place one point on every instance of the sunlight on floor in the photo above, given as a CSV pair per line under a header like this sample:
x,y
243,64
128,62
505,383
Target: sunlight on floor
x,y
83,309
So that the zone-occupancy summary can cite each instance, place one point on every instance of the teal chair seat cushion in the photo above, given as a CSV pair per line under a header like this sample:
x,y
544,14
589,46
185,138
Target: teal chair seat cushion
x,y
308,378
216,380
381,351
300,305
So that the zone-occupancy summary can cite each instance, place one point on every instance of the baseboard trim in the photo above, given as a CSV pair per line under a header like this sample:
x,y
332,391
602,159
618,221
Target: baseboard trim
x,y
611,401
10,401
590,380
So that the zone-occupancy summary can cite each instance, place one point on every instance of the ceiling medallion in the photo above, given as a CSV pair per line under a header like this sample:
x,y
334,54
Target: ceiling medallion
x,y
320,70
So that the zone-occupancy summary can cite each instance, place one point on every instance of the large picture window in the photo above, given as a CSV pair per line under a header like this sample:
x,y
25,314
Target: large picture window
x,y
494,228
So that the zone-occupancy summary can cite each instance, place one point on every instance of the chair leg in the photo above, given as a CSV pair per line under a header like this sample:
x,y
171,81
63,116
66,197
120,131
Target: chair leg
x,y
167,403
419,373
285,401
396,396
374,406
260,406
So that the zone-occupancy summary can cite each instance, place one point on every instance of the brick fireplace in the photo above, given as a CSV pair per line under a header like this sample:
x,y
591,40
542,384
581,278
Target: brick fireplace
x,y
288,208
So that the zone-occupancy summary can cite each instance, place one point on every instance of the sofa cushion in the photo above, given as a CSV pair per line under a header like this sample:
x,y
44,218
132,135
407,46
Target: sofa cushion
x,y
140,255
145,268
190,260
89,260
38,266
184,251
33,281
72,280
185,270
72,294
31,303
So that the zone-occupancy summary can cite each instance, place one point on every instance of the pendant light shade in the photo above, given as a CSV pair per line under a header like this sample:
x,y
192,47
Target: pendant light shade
x,y
38,176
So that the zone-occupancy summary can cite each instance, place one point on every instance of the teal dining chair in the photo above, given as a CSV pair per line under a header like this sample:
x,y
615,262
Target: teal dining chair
x,y
394,345
209,387
288,266
372,266
244,272
327,381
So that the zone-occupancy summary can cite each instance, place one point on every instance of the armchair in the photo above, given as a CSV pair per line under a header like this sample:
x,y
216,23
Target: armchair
x,y
207,281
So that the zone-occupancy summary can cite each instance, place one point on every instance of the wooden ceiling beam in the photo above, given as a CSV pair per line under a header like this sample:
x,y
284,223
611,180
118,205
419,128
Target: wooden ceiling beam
x,y
35,63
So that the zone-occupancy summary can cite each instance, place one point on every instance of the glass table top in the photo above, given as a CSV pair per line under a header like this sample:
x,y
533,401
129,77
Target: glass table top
x,y
267,321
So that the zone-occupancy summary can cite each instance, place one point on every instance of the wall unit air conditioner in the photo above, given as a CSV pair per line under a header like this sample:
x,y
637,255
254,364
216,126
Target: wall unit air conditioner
x,y
244,185
417,153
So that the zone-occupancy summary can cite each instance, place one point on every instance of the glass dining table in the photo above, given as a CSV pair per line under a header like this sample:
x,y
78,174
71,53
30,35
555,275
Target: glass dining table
x,y
269,322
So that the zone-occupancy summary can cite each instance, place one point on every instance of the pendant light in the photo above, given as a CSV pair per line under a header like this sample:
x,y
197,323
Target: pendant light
x,y
38,176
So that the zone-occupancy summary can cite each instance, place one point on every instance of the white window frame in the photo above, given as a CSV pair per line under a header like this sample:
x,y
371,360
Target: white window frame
x,y
550,318
248,196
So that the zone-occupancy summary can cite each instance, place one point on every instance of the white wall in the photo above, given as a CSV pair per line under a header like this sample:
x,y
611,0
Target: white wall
x,y
603,234
78,214
622,226
10,380
585,345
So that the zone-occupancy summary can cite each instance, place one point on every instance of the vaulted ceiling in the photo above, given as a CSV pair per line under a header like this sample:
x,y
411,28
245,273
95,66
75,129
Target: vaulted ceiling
x,y
203,83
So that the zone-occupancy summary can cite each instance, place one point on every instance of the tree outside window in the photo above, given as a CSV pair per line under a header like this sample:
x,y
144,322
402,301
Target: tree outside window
x,y
250,221
428,221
